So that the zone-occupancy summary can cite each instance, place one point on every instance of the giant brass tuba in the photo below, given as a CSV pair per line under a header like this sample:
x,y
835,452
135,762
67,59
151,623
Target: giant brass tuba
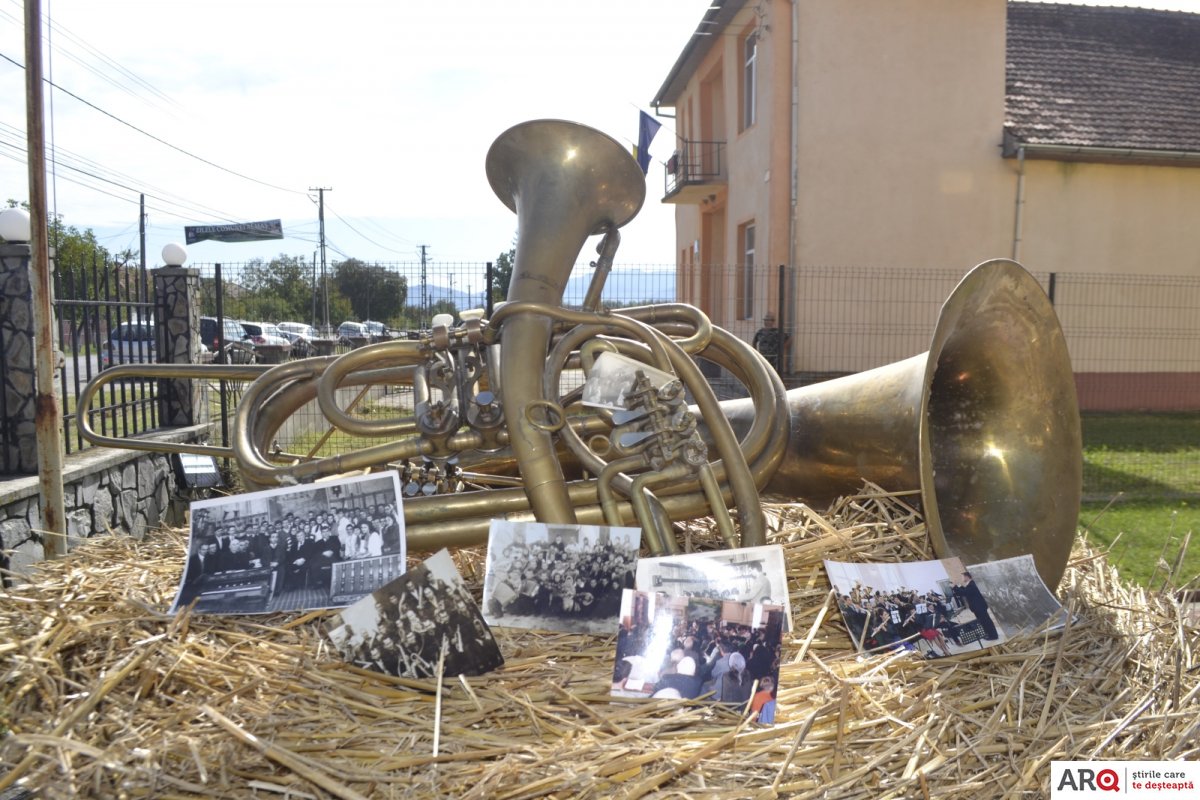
x,y
985,424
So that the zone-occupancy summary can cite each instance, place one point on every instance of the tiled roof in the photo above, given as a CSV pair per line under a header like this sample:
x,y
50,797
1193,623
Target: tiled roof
x,y
1106,77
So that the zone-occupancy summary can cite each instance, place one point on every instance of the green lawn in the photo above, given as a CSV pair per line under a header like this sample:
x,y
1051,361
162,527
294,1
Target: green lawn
x,y
1141,486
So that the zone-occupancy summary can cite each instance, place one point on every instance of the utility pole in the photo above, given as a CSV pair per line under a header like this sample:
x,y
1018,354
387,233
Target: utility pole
x,y
321,190
424,288
48,420
142,229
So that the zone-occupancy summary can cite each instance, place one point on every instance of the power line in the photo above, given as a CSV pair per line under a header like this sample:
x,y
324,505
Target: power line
x,y
149,135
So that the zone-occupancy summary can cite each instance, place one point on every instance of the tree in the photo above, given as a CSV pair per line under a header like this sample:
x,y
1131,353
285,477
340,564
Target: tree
x,y
77,254
502,273
373,292
281,289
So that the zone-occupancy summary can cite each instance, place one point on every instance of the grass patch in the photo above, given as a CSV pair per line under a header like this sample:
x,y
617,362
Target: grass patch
x,y
1141,488
1144,538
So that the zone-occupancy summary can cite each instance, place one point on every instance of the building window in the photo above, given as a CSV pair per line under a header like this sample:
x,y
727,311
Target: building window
x,y
745,278
749,80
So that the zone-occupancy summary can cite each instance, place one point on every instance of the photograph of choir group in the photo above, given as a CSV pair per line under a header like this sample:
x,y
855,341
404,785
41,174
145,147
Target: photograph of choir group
x,y
565,578
681,647
295,548
744,574
425,616
940,608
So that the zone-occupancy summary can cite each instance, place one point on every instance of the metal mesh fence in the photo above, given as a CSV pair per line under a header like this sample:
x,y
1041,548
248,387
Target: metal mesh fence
x,y
1134,341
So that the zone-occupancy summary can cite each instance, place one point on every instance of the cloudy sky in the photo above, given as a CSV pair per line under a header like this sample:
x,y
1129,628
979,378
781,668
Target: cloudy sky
x,y
234,110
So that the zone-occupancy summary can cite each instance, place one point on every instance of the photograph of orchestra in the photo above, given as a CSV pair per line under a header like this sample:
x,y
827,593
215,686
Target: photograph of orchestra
x,y
313,546
694,648
745,574
565,578
935,608
424,618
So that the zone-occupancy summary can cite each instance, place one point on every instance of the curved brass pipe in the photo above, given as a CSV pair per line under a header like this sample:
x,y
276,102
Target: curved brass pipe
x,y
83,410
378,355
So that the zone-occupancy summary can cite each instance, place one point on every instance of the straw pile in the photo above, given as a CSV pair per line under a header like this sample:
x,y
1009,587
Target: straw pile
x,y
105,696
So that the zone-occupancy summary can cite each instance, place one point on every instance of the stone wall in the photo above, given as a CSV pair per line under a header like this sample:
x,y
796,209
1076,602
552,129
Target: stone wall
x,y
104,491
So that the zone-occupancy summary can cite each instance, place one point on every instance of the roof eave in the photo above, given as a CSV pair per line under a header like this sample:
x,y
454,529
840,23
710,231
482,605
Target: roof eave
x,y
716,18
1101,155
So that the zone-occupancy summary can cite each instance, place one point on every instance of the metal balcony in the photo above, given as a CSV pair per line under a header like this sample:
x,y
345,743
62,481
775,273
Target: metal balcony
x,y
695,171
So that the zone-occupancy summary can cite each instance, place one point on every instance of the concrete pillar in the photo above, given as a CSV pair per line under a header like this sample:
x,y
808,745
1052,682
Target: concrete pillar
x,y
18,403
177,293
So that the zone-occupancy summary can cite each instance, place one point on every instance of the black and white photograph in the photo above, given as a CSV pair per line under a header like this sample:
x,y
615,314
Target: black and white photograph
x,y
424,617
696,648
552,577
935,608
321,545
1018,599
611,380
744,574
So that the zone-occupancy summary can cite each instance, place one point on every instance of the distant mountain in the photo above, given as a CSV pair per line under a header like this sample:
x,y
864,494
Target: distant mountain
x,y
436,293
623,287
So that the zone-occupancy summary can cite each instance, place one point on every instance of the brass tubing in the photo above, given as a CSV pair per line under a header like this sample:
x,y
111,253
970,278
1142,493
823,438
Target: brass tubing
x,y
604,484
645,505
720,512
378,355
238,372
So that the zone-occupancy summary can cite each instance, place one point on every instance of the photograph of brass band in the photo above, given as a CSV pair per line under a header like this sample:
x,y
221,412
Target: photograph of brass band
x,y
985,425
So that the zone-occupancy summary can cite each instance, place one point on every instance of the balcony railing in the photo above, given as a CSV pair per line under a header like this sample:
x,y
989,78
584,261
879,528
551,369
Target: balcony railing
x,y
694,170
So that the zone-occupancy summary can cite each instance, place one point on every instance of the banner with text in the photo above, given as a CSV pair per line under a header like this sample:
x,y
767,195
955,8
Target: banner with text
x,y
236,232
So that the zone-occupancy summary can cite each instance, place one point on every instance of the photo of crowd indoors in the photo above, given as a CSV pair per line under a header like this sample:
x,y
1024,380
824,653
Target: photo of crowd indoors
x,y
745,574
280,549
949,616
692,648
565,578
425,615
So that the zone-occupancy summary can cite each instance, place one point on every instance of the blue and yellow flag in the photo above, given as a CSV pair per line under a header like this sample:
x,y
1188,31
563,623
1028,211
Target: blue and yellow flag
x,y
647,127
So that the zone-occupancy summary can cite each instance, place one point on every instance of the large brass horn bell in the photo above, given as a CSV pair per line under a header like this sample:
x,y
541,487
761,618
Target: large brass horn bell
x,y
985,424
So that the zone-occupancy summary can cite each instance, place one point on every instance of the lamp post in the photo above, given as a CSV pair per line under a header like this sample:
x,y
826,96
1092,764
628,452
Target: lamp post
x,y
174,254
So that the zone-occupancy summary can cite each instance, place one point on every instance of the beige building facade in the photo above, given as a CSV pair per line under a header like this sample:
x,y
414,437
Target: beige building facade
x,y
902,135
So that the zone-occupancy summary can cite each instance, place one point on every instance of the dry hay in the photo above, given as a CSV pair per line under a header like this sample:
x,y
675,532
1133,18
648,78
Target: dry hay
x,y
105,696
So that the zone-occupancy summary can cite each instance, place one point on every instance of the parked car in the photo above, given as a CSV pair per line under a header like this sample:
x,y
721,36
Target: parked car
x,y
265,333
130,343
376,330
133,343
351,330
237,348
300,335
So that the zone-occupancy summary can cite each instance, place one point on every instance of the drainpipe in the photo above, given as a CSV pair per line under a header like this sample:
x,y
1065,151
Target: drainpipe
x,y
795,133
1016,246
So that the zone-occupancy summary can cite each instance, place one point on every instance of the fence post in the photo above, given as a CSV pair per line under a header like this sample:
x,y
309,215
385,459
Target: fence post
x,y
19,402
489,276
177,289
781,357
